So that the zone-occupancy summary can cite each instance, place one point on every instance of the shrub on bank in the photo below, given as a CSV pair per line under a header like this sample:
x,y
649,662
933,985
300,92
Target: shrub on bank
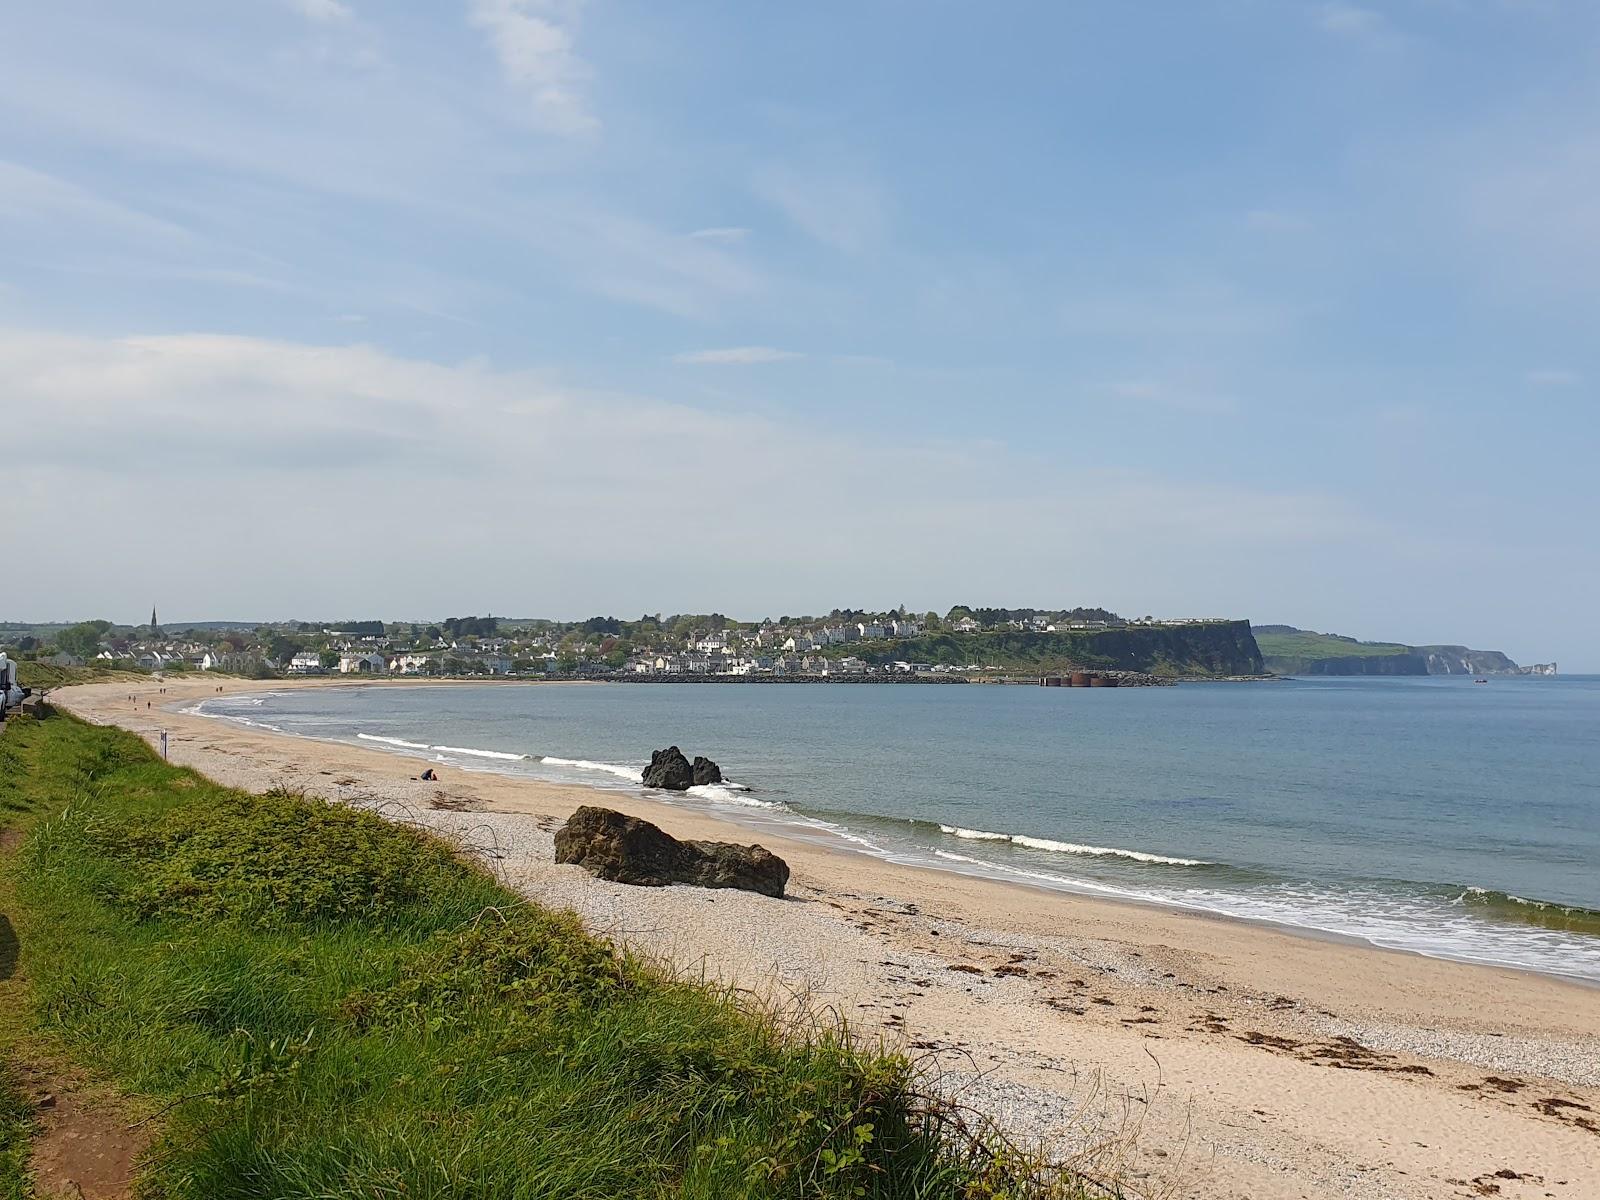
x,y
327,1004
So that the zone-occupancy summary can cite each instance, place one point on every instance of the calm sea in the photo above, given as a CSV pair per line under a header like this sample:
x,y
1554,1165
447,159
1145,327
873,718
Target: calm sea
x,y
1434,815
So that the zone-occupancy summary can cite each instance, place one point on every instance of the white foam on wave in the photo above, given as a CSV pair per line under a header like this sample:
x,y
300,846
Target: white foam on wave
x,y
728,793
394,741
1054,847
975,835
583,764
473,753
249,722
1392,924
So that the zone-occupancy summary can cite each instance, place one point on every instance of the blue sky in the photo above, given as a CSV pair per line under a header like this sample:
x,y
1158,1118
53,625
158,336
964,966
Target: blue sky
x,y
1269,309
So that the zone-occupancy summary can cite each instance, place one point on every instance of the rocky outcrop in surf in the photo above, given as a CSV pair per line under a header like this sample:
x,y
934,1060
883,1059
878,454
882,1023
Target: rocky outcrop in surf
x,y
669,769
624,849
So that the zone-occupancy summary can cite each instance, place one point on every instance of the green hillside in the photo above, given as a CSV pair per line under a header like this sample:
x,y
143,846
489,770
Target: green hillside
x,y
1280,641
1212,648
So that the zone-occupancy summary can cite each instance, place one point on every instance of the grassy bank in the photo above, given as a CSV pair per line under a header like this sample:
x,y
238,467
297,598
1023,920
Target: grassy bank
x,y
319,1003
39,675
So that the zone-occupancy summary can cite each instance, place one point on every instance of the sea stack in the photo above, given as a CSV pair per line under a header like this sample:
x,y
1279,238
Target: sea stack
x,y
669,769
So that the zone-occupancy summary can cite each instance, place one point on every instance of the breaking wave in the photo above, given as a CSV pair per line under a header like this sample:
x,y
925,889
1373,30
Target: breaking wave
x,y
1545,914
394,741
468,750
734,793
631,774
1054,847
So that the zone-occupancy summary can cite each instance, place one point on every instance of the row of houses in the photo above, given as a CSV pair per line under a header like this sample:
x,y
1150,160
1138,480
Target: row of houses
x,y
310,662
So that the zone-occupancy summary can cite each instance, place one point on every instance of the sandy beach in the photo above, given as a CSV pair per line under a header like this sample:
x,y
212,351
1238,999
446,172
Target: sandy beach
x,y
1192,1056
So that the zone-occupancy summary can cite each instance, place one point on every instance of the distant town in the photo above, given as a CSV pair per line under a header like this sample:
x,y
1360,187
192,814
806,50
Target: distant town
x,y
962,642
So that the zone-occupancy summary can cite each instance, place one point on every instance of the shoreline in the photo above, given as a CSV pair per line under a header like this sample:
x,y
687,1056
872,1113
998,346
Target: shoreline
x,y
1290,1062
782,823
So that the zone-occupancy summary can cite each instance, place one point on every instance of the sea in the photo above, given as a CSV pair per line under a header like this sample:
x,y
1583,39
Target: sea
x,y
1434,815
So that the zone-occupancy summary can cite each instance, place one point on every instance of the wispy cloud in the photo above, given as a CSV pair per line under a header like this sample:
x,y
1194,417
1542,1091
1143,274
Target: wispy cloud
x,y
736,356
384,421
1364,26
27,193
1349,20
323,12
1553,377
1274,220
1149,392
724,234
534,41
838,210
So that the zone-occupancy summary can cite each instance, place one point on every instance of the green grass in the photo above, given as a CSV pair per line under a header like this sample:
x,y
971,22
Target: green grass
x,y
1305,644
38,675
323,1004
16,1122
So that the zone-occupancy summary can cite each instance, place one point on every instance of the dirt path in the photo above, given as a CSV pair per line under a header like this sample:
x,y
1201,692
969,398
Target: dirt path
x,y
87,1145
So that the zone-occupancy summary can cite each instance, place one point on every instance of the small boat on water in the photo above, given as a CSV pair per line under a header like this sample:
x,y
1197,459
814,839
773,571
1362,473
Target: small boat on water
x,y
1480,681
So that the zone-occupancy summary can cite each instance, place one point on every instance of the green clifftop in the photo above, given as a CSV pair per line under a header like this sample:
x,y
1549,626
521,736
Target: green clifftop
x,y
1291,651
1214,648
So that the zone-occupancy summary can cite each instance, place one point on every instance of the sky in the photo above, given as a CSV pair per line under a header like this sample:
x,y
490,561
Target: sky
x,y
1249,308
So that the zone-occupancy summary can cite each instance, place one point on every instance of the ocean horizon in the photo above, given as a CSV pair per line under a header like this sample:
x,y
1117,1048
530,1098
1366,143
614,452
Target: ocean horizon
x,y
1430,815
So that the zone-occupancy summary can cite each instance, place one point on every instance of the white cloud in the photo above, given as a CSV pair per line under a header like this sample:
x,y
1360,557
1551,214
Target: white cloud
x,y
1364,27
370,474
323,12
728,234
1554,377
34,195
533,39
841,211
1150,393
736,356
1349,20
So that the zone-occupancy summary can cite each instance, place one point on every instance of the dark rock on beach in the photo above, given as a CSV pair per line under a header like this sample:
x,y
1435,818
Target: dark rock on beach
x,y
625,849
669,769
706,771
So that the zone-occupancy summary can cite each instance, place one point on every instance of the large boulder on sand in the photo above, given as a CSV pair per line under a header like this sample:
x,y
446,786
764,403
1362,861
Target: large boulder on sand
x,y
705,771
669,769
626,849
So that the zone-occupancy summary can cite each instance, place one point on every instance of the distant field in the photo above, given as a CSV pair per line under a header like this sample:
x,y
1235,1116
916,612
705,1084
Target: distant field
x,y
1304,644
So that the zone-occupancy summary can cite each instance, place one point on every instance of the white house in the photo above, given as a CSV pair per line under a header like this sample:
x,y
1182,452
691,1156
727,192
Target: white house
x,y
850,665
906,629
363,664
966,625
211,661
497,664
307,662
409,664
870,631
